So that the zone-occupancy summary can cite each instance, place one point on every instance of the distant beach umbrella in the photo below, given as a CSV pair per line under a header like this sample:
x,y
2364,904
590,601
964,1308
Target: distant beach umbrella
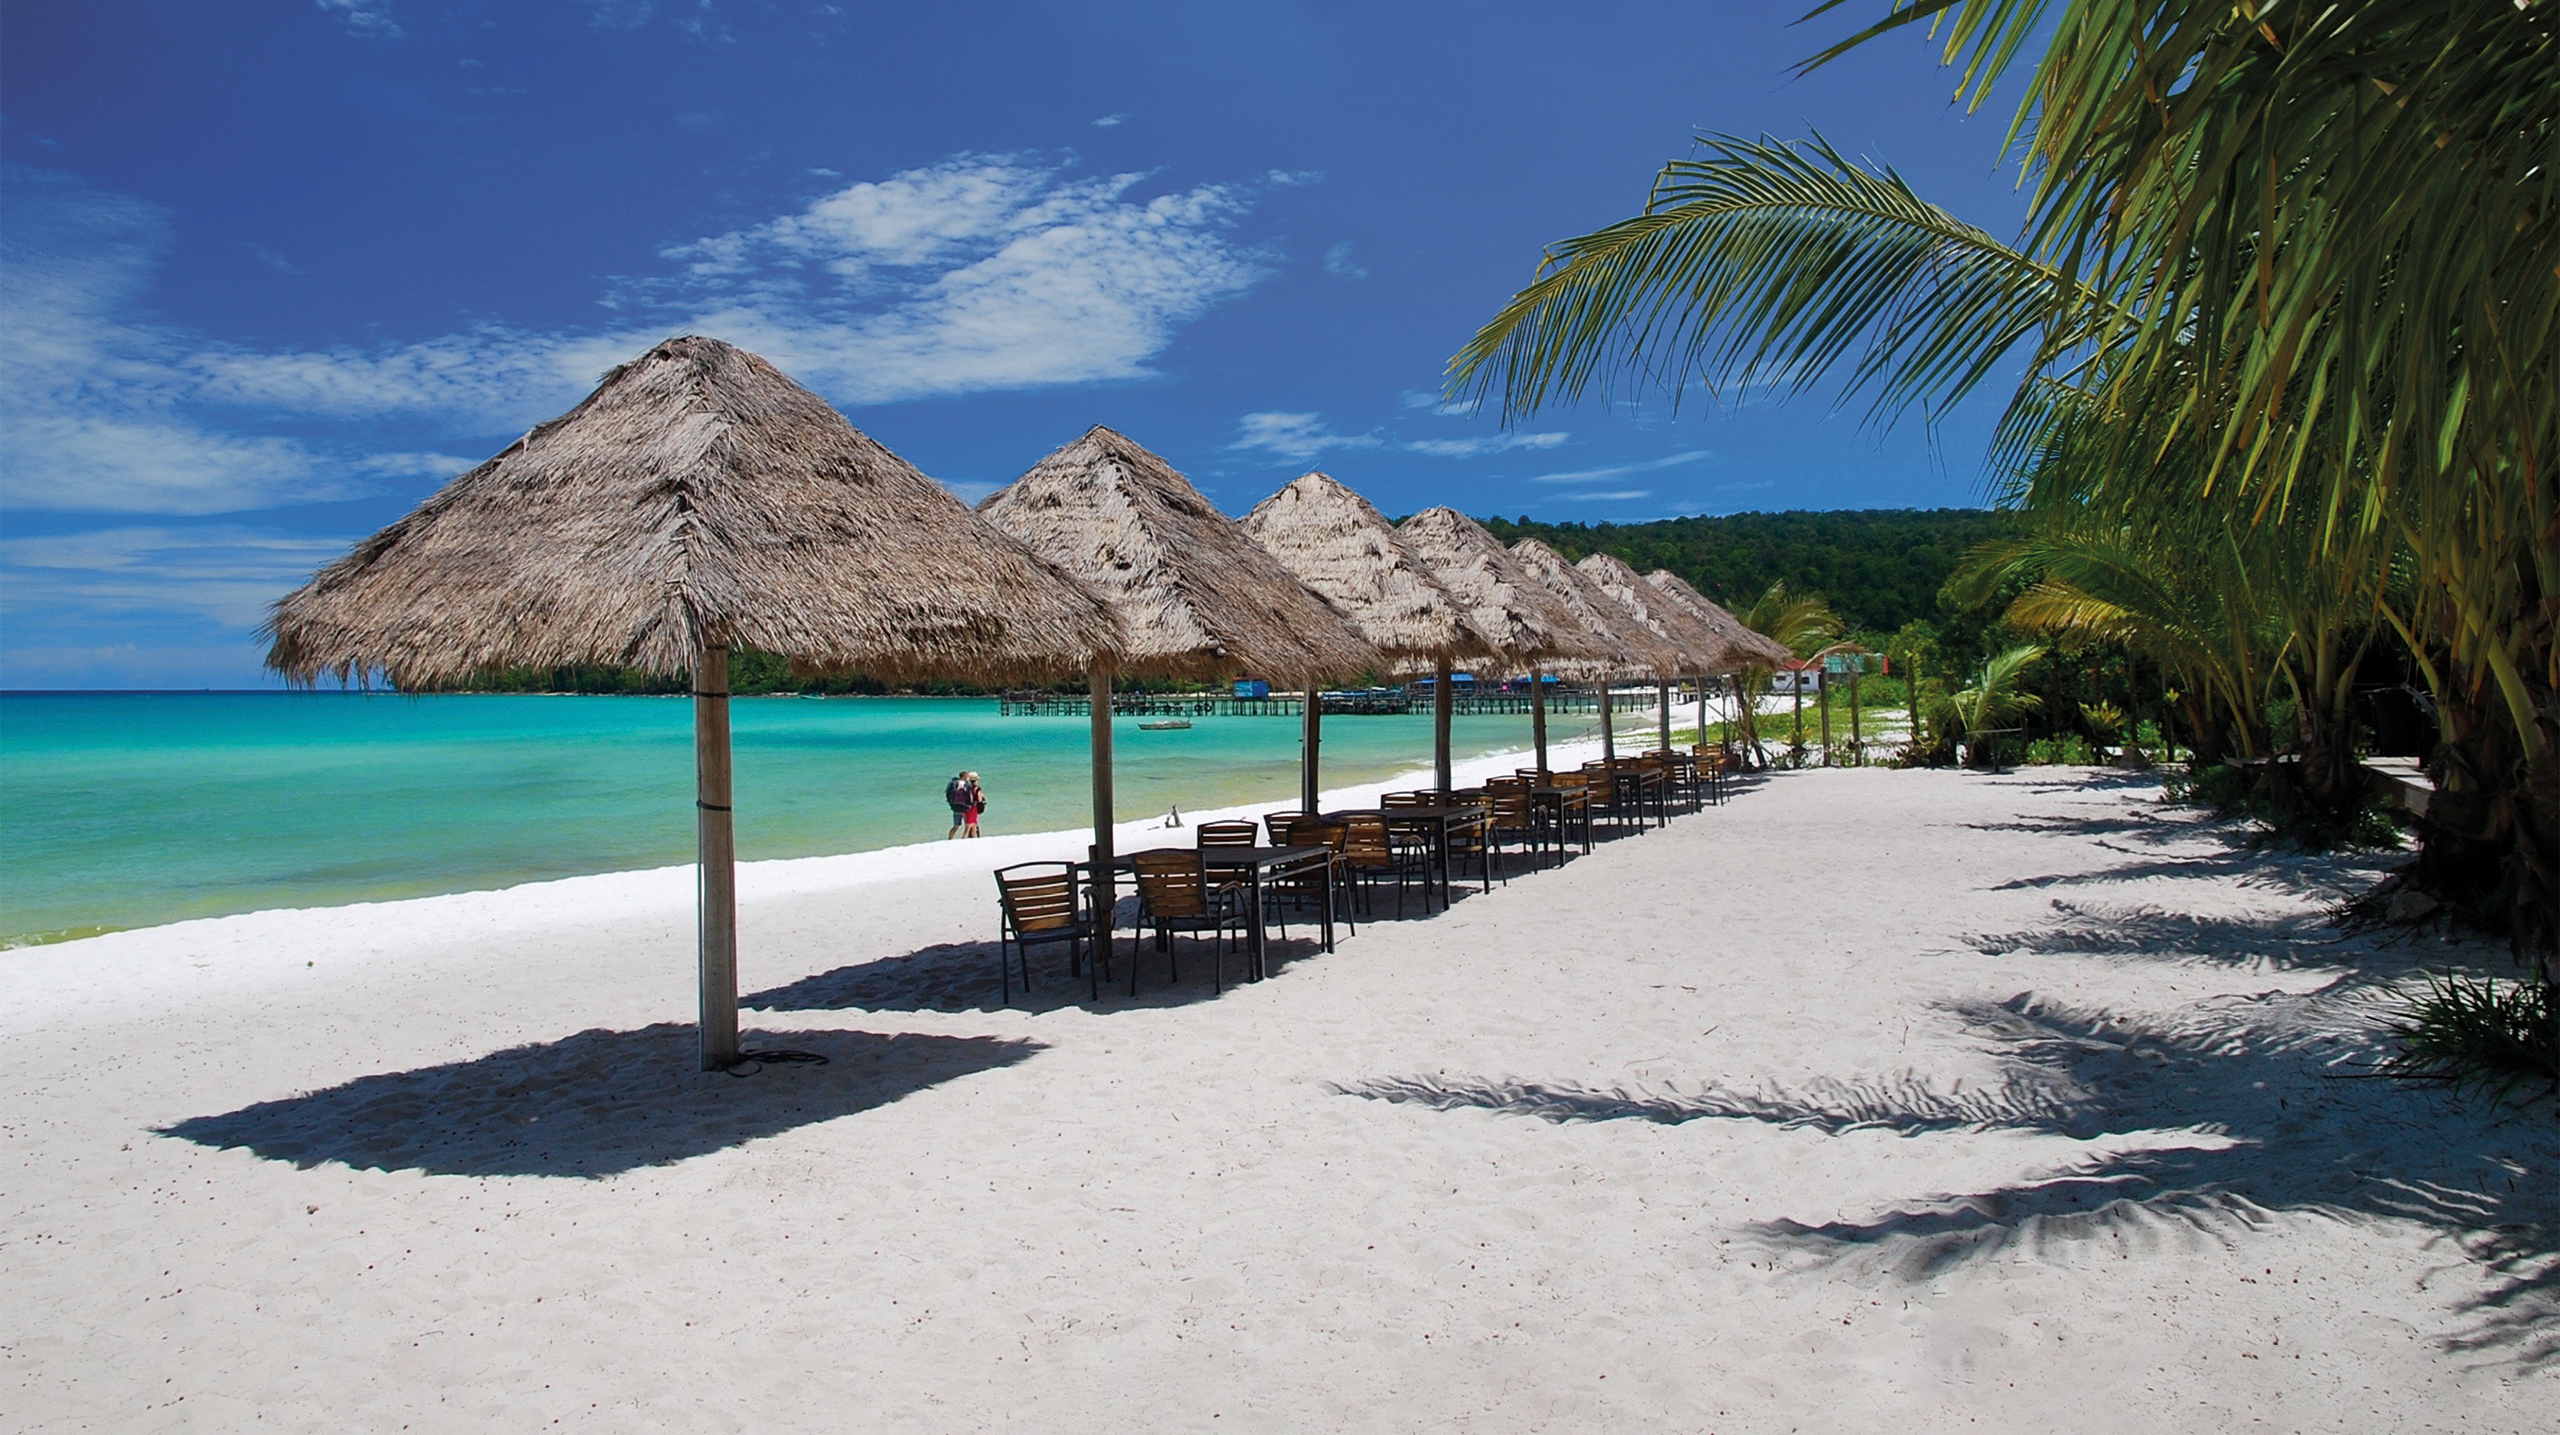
x,y
1510,608
1751,650
697,503
1706,650
1341,546
1194,597
1602,616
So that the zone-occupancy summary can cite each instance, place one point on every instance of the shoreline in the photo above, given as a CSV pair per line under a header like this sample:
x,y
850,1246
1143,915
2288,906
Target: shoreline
x,y
785,877
173,814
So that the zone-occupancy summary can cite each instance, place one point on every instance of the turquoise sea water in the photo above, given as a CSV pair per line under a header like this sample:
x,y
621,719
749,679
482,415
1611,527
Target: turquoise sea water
x,y
131,809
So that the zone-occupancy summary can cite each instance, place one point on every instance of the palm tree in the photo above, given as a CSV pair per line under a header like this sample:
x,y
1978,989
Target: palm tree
x,y
2314,243
1803,624
1998,694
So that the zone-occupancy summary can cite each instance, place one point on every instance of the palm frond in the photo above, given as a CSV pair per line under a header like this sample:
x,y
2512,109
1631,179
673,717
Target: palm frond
x,y
1769,265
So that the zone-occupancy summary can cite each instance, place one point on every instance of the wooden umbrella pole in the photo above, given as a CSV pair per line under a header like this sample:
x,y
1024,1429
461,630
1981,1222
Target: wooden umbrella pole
x,y
1440,710
1538,715
1608,727
1307,761
1106,886
715,836
1662,687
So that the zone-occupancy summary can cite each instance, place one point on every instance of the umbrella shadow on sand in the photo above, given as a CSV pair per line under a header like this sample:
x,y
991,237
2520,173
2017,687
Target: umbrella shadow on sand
x,y
591,1105
2223,1117
962,976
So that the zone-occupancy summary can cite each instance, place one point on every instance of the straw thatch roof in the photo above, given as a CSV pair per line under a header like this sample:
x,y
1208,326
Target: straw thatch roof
x,y
1509,608
1194,595
1598,613
1347,551
1753,648
1708,651
697,497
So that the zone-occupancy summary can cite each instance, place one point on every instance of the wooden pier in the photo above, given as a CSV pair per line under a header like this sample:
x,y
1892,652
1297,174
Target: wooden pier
x,y
1290,705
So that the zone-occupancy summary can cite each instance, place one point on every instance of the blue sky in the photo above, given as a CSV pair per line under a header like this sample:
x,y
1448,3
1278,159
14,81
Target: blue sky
x,y
275,270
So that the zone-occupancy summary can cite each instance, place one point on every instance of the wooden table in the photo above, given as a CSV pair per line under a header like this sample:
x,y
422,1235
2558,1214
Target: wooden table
x,y
1649,791
1566,800
1435,824
1260,865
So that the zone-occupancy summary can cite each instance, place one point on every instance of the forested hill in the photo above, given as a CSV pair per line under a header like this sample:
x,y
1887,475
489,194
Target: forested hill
x,y
1880,567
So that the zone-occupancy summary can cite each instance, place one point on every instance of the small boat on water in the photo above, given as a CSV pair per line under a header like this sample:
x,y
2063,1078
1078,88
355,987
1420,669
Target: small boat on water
x,y
1167,725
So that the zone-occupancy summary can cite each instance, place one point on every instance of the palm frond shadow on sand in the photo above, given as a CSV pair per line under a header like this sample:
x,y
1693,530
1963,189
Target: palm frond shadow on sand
x,y
591,1105
2219,1121
2100,929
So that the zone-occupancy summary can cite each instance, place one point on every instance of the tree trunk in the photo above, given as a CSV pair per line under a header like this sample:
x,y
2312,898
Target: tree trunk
x,y
2490,839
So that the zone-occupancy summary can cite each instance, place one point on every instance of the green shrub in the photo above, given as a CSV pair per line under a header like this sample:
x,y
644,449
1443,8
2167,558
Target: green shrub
x,y
2479,1034
2070,749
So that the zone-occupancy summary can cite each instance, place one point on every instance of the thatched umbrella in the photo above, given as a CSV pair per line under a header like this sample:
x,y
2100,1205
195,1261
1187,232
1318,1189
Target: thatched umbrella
x,y
1512,610
697,502
1347,551
1604,616
1194,596
1707,650
1751,650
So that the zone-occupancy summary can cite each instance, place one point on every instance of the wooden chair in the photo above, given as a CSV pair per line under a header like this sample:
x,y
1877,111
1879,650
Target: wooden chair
x,y
1474,840
1279,822
1607,793
1043,905
1371,852
1715,763
1174,895
1516,819
1227,834
1680,776
1312,885
1577,786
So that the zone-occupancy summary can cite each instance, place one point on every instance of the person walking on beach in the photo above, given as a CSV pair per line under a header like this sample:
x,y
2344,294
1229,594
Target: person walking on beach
x,y
961,793
977,804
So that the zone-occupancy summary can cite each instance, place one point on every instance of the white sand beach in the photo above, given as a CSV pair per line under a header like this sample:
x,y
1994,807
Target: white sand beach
x,y
1872,1100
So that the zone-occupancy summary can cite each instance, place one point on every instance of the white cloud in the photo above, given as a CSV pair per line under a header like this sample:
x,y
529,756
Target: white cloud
x,y
1109,121
982,272
224,573
1488,443
1425,399
1337,261
1293,178
364,17
416,465
96,406
1621,493
1597,475
1294,436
